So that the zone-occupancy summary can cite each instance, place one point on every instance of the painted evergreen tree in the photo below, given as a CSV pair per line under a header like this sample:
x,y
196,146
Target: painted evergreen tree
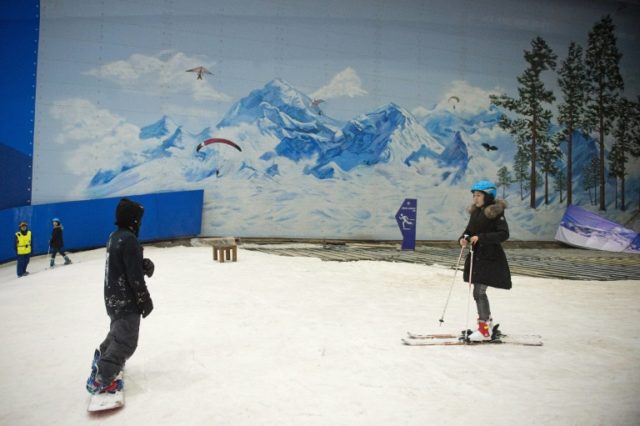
x,y
532,121
605,85
590,178
560,183
635,135
635,129
621,149
504,179
527,183
571,112
521,169
549,153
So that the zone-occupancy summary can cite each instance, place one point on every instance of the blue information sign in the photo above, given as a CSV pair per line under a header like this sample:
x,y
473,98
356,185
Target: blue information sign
x,y
406,218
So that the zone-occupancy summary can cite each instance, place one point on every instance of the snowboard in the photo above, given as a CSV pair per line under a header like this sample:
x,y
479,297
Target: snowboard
x,y
106,401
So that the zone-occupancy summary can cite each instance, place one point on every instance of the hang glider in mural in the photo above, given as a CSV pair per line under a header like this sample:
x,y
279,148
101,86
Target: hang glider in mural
x,y
218,140
200,71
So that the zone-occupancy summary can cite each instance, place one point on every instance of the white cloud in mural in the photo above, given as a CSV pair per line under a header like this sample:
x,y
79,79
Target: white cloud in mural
x,y
345,83
191,117
164,73
464,98
102,139
420,112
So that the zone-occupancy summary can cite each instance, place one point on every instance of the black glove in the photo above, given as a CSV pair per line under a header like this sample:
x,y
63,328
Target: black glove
x,y
148,267
146,307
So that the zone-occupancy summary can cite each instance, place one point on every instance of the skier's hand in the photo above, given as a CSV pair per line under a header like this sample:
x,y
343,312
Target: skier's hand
x,y
473,240
148,267
463,242
146,307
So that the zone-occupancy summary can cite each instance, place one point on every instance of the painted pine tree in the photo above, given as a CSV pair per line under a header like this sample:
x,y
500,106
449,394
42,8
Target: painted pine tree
x,y
560,183
504,179
605,85
621,149
634,143
548,153
521,169
532,121
571,112
590,179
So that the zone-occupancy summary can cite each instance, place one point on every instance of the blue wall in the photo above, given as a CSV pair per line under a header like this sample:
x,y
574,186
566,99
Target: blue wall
x,y
19,26
87,224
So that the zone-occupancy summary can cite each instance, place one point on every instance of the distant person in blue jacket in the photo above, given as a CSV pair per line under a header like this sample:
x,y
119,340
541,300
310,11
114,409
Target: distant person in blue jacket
x,y
56,243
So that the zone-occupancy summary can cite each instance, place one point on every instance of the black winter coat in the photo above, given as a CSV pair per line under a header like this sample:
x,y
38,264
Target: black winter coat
x,y
56,240
125,291
490,265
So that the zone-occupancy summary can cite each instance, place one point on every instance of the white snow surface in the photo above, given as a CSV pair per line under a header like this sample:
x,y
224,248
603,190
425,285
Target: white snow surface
x,y
273,340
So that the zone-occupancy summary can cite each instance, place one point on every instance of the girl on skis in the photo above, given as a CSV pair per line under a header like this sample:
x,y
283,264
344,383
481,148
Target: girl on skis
x,y
487,228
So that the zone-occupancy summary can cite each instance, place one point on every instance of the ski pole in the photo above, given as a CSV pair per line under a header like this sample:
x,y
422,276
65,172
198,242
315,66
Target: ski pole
x,y
466,327
452,283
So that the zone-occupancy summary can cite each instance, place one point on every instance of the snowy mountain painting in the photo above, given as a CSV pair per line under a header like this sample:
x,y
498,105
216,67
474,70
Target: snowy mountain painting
x,y
338,115
301,173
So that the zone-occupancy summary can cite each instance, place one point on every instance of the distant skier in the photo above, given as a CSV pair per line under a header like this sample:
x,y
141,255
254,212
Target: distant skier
x,y
487,228
56,243
23,246
126,298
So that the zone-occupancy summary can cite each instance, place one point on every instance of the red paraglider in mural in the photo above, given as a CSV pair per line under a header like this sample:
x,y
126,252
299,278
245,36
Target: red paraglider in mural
x,y
217,140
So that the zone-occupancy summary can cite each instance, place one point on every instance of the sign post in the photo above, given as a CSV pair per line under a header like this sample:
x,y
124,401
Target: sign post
x,y
406,218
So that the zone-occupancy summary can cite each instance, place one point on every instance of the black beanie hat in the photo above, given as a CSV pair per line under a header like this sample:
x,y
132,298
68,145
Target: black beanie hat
x,y
129,214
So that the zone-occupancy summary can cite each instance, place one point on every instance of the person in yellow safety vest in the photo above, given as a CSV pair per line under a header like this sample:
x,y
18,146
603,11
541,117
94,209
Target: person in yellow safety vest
x,y
23,248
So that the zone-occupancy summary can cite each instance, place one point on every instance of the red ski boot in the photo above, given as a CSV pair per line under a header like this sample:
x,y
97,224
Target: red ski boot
x,y
483,333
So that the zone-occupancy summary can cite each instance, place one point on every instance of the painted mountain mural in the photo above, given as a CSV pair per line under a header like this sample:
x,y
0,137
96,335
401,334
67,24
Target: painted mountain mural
x,y
302,172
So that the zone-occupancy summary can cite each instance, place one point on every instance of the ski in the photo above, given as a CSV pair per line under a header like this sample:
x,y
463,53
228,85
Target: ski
x,y
431,336
462,342
497,336
460,336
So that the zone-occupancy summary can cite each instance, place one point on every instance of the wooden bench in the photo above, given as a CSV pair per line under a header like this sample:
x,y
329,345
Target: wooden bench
x,y
225,247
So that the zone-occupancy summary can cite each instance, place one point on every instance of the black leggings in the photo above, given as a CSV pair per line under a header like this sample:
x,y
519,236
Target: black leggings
x,y
482,301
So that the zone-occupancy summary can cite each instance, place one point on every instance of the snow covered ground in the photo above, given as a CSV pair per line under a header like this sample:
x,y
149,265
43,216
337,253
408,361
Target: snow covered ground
x,y
296,341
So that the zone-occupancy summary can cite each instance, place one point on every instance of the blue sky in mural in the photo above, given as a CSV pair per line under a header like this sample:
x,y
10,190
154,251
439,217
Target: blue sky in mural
x,y
408,52
115,103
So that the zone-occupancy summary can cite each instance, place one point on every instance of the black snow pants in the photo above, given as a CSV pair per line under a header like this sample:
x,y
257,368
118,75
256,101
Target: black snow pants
x,y
119,345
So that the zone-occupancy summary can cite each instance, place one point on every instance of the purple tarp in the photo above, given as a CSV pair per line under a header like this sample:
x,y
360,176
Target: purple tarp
x,y
583,228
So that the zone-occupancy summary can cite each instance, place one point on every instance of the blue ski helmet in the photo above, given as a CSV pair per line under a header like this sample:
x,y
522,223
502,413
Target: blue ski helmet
x,y
485,186
55,219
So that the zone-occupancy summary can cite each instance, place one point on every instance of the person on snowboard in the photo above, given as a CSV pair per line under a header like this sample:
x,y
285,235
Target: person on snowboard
x,y
487,228
125,296
56,243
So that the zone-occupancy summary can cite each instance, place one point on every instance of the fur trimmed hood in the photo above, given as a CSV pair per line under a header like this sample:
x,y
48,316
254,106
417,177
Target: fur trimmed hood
x,y
492,210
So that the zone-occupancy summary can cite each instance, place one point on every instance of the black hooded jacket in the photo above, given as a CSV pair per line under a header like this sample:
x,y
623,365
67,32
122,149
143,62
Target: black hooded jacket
x,y
125,290
56,240
490,265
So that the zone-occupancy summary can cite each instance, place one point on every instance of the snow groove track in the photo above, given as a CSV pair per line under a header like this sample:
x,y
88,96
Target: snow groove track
x,y
564,263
